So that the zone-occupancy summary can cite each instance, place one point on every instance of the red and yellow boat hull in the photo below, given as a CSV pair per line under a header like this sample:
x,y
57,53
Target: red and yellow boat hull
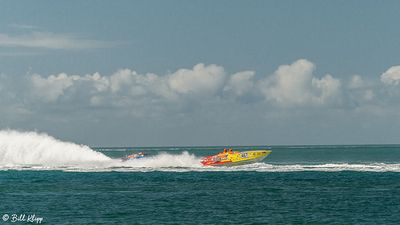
x,y
235,158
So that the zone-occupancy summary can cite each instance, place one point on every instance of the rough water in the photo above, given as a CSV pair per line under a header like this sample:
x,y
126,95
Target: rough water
x,y
67,183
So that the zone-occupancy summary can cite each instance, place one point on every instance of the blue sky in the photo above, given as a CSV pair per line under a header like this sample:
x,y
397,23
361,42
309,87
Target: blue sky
x,y
202,72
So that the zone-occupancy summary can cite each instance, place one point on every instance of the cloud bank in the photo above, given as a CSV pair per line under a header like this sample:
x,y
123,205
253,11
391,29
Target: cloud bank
x,y
291,85
291,99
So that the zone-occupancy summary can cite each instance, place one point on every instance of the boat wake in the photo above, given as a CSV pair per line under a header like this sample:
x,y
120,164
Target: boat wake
x,y
37,151
18,148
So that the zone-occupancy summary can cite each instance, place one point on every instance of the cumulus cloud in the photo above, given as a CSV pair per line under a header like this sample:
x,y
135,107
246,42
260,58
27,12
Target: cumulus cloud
x,y
127,85
360,89
241,83
356,81
289,85
295,84
49,89
391,76
201,80
188,98
327,89
129,82
48,40
52,87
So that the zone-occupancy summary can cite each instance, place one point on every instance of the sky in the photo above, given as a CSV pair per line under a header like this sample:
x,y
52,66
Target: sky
x,y
188,73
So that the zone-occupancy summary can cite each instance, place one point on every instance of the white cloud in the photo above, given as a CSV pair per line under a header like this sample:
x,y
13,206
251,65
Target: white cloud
x,y
127,85
240,83
50,40
51,88
122,78
292,85
201,96
361,90
201,80
327,89
289,85
356,81
99,82
391,76
295,84
129,82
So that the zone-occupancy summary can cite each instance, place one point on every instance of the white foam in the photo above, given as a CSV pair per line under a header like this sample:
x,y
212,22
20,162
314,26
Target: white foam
x,y
164,160
38,151
24,148
331,167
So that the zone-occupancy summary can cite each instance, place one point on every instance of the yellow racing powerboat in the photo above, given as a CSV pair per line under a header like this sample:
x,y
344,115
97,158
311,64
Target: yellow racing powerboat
x,y
229,157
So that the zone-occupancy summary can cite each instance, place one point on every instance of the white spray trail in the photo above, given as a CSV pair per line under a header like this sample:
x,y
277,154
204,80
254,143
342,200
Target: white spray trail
x,y
18,148
165,160
32,150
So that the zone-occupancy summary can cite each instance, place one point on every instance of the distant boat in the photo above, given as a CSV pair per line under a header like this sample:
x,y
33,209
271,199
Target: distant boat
x,y
229,157
139,155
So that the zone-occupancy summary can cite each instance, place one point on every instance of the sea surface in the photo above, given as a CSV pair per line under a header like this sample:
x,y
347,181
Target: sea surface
x,y
66,183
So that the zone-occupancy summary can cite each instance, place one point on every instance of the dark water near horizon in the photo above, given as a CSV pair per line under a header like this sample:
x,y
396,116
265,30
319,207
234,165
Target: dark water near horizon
x,y
294,185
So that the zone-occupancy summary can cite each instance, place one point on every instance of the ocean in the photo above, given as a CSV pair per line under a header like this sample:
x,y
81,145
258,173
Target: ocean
x,y
47,181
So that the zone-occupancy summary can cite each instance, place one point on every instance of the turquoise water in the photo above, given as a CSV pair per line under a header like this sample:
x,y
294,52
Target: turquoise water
x,y
203,198
294,185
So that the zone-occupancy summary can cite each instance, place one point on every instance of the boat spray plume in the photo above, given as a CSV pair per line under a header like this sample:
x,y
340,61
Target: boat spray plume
x,y
18,148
